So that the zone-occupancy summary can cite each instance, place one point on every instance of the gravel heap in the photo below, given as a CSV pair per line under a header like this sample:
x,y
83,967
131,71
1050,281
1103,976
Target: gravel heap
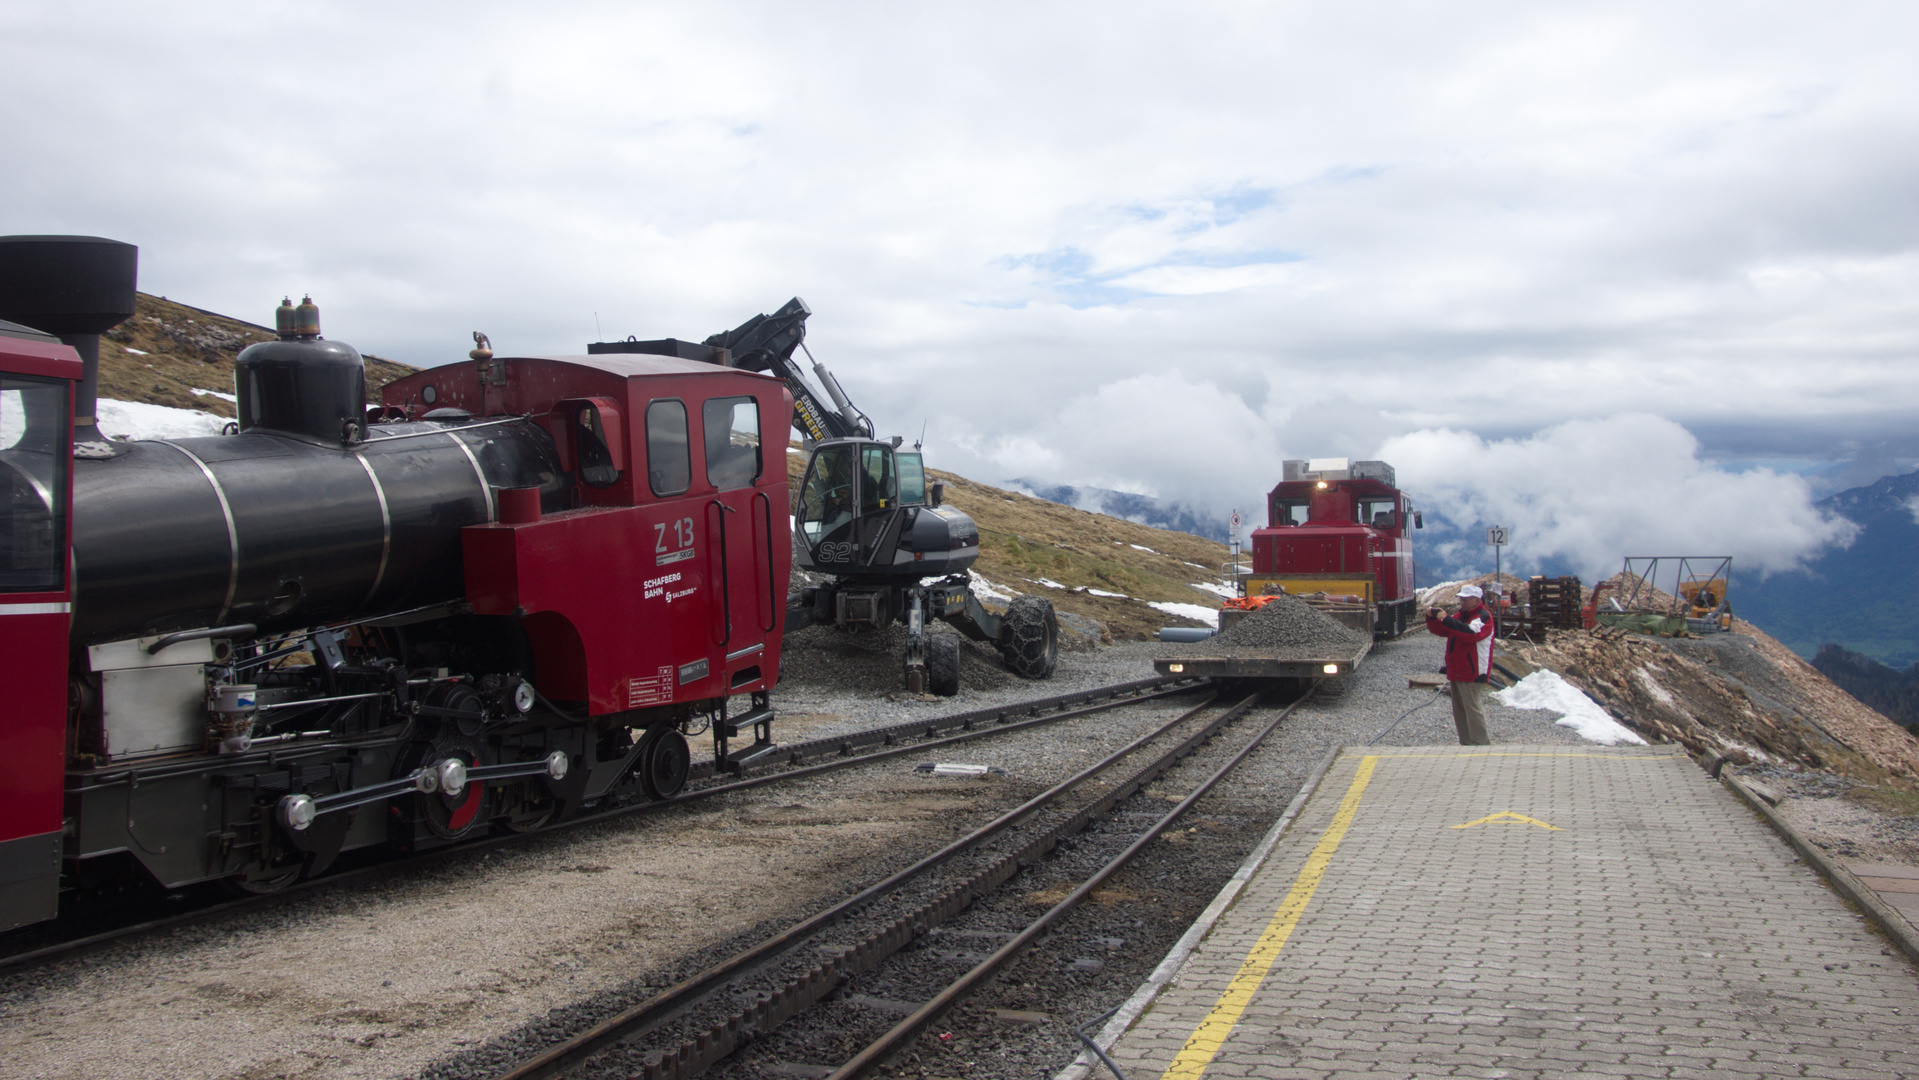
x,y
1284,628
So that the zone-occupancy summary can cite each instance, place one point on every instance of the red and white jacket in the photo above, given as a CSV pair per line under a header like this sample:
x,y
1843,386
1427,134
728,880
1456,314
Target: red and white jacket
x,y
1469,643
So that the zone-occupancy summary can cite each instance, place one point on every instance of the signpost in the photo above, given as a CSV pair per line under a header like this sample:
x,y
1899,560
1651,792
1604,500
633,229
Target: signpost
x,y
1496,536
1237,577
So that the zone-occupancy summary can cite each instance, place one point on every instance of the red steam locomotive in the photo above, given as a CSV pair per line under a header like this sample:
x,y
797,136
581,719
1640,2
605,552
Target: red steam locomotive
x,y
512,590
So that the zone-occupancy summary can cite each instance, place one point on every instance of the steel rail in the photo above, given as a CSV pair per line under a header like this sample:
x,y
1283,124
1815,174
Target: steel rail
x,y
868,1060
664,1006
801,991
1107,697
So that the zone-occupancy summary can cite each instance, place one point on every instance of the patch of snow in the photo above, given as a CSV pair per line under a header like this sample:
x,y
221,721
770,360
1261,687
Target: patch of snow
x,y
986,590
794,450
1142,547
137,352
1426,593
1108,595
139,420
1546,690
1223,591
1750,751
1198,566
1652,686
1049,583
214,393
1209,616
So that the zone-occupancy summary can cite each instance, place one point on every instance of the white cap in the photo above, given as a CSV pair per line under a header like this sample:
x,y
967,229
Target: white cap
x,y
1470,590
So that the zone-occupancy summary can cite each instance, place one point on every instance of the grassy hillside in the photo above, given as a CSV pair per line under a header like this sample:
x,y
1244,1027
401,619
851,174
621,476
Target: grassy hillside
x,y
168,350
1024,540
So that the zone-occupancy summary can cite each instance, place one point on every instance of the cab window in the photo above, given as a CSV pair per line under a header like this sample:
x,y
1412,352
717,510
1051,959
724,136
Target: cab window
x,y
732,427
912,473
876,478
826,495
33,475
669,463
1289,511
596,459
1379,513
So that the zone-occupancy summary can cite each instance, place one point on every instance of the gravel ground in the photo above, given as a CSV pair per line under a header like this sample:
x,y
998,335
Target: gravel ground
x,y
393,978
1827,810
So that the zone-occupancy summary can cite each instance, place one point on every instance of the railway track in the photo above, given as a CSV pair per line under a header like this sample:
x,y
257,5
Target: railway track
x,y
686,1029
798,760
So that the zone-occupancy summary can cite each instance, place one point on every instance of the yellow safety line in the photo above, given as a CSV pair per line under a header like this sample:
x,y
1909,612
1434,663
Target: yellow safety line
x,y
1203,1045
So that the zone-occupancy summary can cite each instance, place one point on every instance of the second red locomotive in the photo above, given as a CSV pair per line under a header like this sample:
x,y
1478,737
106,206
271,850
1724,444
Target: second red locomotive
x,y
1339,528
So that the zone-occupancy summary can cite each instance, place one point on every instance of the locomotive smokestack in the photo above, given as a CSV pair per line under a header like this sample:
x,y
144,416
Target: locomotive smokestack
x,y
76,288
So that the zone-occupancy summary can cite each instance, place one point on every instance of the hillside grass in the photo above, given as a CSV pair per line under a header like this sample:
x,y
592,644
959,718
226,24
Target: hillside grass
x,y
1024,540
167,350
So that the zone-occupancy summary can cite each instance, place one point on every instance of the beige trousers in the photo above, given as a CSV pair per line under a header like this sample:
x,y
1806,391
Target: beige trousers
x,y
1469,713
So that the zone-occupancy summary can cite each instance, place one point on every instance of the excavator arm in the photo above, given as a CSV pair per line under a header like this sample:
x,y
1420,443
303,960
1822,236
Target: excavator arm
x,y
766,343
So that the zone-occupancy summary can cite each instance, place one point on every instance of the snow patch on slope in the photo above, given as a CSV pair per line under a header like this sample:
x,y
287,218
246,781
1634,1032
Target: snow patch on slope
x,y
1546,690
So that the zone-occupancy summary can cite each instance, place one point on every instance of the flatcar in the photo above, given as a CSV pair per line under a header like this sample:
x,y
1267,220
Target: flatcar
x,y
511,590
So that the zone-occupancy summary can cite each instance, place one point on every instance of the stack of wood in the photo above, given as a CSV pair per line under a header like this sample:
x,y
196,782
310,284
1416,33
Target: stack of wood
x,y
1555,602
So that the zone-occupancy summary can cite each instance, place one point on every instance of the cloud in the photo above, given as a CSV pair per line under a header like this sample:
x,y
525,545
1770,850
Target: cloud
x,y
1590,492
1166,435
1047,229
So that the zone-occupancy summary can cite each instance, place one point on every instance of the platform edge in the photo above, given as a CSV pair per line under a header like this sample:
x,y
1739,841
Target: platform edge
x,y
1130,1011
1882,915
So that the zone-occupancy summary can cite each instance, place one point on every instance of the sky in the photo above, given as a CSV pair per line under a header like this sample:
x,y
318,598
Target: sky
x,y
1623,276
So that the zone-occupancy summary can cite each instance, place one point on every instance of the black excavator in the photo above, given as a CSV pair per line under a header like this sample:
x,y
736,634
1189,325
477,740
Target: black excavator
x,y
868,521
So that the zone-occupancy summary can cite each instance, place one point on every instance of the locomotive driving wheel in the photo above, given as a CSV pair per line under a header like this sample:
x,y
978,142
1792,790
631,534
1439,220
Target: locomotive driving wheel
x,y
665,761
453,810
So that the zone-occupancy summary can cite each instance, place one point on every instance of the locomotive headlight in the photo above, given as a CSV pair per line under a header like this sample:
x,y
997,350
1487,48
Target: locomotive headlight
x,y
523,698
556,765
451,773
1331,669
296,812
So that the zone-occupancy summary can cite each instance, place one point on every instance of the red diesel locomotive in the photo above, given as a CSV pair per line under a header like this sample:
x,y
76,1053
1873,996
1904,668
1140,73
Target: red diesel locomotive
x,y
509,592
1339,528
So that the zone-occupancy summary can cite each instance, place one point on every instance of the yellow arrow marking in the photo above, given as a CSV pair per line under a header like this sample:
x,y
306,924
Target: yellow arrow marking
x,y
1507,815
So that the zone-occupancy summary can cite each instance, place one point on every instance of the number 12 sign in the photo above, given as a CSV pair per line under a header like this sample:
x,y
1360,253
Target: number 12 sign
x,y
1496,536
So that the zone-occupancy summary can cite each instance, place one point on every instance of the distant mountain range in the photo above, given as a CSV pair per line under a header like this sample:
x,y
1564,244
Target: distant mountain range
x,y
1144,509
1862,597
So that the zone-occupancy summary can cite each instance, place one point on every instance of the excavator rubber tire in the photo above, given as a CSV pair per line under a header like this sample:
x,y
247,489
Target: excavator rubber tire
x,y
942,664
1029,637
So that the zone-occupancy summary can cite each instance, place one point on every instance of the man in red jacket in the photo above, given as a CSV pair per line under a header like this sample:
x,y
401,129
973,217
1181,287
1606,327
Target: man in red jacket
x,y
1469,656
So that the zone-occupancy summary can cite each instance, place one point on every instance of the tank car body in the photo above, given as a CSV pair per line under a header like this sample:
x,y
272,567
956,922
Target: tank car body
x,y
509,592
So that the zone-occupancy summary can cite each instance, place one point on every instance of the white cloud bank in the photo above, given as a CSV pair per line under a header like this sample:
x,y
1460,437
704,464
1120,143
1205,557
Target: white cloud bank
x,y
1593,491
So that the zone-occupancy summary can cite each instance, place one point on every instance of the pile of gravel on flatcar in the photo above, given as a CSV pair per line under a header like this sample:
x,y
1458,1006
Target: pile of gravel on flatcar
x,y
1283,627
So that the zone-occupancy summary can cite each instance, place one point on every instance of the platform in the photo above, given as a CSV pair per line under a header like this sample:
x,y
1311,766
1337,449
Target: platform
x,y
1524,912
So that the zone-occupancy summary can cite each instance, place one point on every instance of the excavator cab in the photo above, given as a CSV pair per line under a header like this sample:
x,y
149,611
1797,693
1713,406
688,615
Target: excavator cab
x,y
863,509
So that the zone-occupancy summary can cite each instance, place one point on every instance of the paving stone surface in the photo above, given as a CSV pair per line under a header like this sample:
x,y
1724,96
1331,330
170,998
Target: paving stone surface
x,y
1531,912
